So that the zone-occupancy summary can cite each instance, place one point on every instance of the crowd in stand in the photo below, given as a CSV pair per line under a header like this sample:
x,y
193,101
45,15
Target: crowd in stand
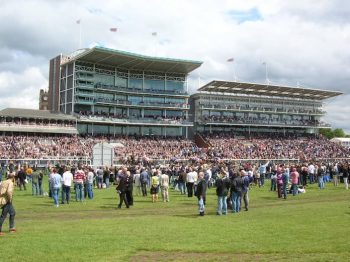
x,y
144,149
259,120
228,146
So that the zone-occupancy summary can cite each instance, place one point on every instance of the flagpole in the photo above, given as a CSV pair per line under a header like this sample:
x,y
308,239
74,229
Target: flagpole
x,y
266,74
79,35
154,34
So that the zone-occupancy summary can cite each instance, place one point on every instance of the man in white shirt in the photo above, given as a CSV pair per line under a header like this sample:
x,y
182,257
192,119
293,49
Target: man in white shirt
x,y
67,179
90,182
191,178
164,186
311,171
137,183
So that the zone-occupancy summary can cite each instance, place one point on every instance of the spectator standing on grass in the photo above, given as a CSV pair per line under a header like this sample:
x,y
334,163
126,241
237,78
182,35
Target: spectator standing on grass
x,y
164,186
137,182
129,181
55,182
294,175
154,186
304,174
321,172
222,189
121,189
67,179
145,180
79,179
346,175
99,177
201,193
311,173
335,174
90,182
285,180
190,180
237,188
279,181
181,181
273,181
21,175
6,197
262,172
35,182
245,191
40,182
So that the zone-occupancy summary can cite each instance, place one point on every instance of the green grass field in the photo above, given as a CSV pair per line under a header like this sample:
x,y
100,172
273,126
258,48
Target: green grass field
x,y
309,227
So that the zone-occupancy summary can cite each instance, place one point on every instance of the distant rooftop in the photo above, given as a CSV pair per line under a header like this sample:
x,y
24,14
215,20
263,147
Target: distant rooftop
x,y
35,114
132,61
267,90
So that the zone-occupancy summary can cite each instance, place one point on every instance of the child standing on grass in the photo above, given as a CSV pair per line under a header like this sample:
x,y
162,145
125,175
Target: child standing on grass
x,y
155,186
201,192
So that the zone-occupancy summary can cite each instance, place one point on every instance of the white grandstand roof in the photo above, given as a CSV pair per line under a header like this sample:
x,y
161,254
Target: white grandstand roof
x,y
267,90
132,61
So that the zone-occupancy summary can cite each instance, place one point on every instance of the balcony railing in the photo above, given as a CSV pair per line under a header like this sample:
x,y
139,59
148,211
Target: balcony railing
x,y
263,110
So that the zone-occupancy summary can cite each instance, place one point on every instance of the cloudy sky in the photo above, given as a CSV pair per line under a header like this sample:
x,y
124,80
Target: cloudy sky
x,y
303,43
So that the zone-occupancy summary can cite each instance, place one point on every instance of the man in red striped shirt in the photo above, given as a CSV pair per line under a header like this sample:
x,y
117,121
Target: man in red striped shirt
x,y
79,179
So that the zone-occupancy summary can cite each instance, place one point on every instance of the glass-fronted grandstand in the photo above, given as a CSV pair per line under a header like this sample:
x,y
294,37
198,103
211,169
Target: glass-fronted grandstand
x,y
120,93
247,107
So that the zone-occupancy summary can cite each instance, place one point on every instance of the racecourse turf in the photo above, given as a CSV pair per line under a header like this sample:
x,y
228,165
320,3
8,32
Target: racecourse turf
x,y
309,227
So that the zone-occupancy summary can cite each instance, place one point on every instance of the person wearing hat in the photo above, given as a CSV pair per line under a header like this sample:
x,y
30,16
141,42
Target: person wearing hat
x,y
6,196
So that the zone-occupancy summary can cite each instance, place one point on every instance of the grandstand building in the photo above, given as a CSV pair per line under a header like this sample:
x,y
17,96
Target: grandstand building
x,y
29,121
246,107
114,92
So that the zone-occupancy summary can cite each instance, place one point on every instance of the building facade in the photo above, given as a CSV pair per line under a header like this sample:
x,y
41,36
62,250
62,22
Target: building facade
x,y
243,108
120,93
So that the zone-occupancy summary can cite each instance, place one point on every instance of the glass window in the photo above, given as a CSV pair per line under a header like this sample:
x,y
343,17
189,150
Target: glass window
x,y
119,81
134,113
173,131
176,86
135,83
175,100
152,113
154,84
104,79
170,113
133,130
135,100
148,99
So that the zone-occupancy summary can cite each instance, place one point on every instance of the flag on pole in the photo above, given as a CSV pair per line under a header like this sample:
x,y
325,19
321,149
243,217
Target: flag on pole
x,y
154,34
113,29
78,21
230,59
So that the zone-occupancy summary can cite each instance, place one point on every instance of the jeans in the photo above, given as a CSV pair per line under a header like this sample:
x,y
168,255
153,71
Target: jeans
x,y
99,182
201,207
236,201
222,205
107,182
295,189
321,182
8,209
55,192
144,188
65,194
262,180
273,184
182,187
89,191
285,189
40,184
79,192
35,189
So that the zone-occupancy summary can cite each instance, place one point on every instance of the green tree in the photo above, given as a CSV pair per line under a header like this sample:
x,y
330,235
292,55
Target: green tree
x,y
338,132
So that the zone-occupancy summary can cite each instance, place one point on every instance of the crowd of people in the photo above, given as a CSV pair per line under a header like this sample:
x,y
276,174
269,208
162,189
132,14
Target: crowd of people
x,y
232,181
139,150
